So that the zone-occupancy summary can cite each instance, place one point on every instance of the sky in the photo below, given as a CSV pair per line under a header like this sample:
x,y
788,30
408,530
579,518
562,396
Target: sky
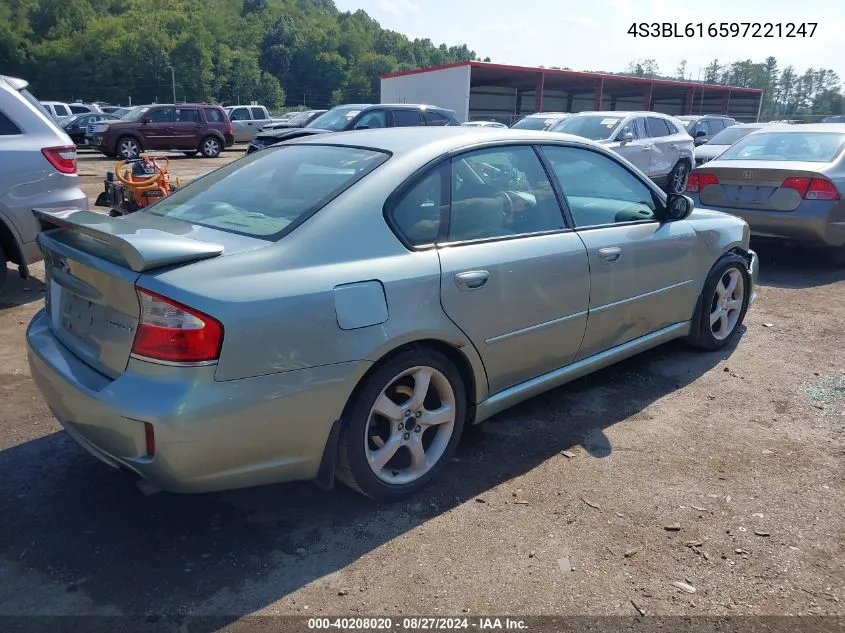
x,y
592,34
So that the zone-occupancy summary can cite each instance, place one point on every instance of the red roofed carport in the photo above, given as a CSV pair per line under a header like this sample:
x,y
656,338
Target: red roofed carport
x,y
481,90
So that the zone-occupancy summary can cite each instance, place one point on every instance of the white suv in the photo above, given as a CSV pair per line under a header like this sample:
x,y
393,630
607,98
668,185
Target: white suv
x,y
37,170
655,143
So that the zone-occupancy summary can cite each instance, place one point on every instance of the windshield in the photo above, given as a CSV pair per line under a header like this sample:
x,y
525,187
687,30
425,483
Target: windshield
x,y
731,135
121,112
687,123
300,117
335,119
594,127
266,194
814,147
135,113
533,123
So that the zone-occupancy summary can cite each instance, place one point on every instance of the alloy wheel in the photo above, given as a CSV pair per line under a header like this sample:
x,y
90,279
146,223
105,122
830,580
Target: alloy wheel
x,y
410,425
726,306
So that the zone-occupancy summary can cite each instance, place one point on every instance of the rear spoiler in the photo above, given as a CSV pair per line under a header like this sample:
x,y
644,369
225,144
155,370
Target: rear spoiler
x,y
143,246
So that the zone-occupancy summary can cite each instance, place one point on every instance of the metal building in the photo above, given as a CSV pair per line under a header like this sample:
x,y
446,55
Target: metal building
x,y
482,90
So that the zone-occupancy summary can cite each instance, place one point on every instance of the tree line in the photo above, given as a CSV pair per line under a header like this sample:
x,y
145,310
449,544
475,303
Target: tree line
x,y
815,93
277,52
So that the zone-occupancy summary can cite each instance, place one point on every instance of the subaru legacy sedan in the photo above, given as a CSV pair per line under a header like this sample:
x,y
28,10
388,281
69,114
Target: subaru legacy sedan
x,y
343,305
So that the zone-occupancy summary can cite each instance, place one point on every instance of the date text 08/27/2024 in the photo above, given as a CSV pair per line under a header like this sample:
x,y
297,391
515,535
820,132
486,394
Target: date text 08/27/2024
x,y
723,29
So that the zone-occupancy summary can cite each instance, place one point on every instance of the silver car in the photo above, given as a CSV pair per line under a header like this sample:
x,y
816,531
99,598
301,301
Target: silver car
x,y
723,140
786,181
37,169
344,304
540,120
656,143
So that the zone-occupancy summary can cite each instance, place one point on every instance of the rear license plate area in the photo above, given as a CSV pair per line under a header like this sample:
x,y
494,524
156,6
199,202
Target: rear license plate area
x,y
78,317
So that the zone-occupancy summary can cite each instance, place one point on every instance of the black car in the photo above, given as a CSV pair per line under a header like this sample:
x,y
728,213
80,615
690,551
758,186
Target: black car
x,y
704,127
76,126
360,116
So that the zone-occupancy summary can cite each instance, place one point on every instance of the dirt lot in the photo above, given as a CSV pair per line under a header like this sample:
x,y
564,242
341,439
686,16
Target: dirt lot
x,y
743,450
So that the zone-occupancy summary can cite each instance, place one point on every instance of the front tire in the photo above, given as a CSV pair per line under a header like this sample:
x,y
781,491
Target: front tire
x,y
210,147
128,148
403,425
678,178
723,304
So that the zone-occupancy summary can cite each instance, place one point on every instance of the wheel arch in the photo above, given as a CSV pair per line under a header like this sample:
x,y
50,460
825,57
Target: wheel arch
x,y
9,243
461,356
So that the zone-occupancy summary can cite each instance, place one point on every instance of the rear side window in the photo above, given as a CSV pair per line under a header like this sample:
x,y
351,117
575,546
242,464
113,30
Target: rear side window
x,y
62,110
435,118
657,127
407,118
7,126
187,115
258,113
213,115
418,213
267,194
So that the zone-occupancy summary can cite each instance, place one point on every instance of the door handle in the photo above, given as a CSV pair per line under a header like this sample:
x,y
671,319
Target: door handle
x,y
471,280
611,254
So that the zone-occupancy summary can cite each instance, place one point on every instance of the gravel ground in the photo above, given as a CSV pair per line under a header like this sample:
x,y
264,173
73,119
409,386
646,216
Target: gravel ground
x,y
722,472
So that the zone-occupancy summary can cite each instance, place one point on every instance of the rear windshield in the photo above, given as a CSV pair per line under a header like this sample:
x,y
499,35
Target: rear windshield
x,y
731,135
336,119
533,123
812,147
265,194
594,127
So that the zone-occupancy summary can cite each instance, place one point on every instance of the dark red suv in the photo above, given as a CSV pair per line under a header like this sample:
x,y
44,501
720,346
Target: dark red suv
x,y
187,127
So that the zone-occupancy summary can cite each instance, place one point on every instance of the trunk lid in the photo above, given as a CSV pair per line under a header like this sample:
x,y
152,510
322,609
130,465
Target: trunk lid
x,y
755,184
92,263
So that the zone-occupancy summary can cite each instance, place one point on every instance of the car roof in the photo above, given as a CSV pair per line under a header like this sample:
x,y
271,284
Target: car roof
x,y
695,117
410,106
435,140
830,128
620,114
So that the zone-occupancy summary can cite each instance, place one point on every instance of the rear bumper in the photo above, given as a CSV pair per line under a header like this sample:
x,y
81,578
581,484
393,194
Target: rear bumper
x,y
810,223
209,435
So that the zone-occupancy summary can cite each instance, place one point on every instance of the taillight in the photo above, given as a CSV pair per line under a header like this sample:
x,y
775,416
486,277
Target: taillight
x,y
812,188
62,158
697,182
150,439
171,332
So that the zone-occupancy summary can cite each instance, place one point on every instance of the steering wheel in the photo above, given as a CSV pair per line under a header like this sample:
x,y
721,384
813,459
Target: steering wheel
x,y
509,208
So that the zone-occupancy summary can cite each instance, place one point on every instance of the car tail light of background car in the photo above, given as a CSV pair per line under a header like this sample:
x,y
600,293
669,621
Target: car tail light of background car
x,y
62,158
171,332
697,182
812,188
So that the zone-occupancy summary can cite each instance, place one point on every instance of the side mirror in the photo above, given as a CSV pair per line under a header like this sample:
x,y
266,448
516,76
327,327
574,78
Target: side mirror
x,y
678,207
146,120
626,137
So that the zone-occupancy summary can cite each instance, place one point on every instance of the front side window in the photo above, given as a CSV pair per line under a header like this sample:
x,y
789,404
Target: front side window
x,y
598,190
372,119
62,110
161,115
240,114
500,192
264,193
258,113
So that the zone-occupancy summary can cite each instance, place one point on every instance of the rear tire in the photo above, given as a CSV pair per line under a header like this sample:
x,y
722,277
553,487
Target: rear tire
x,y
402,426
128,148
4,270
678,177
210,147
722,304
